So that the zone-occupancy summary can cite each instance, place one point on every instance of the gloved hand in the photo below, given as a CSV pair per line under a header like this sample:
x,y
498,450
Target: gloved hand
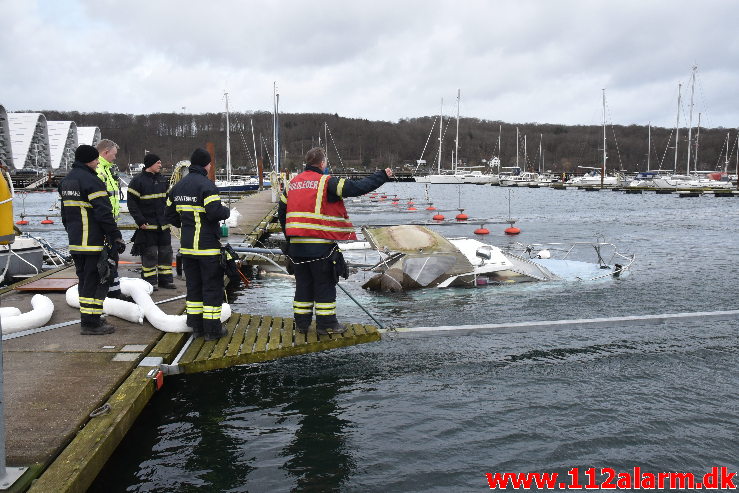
x,y
119,245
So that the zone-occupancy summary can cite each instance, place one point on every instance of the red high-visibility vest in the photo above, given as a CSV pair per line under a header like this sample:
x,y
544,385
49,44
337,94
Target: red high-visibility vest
x,y
310,214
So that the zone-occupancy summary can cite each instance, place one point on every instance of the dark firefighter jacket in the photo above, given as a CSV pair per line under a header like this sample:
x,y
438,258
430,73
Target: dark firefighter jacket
x,y
193,205
147,197
87,214
338,189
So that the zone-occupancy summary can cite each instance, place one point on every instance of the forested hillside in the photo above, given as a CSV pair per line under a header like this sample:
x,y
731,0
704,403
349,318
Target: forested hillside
x,y
364,144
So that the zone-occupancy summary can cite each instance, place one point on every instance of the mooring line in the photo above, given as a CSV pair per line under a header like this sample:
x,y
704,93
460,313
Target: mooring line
x,y
580,323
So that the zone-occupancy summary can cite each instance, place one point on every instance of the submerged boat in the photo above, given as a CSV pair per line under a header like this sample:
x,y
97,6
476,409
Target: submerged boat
x,y
416,257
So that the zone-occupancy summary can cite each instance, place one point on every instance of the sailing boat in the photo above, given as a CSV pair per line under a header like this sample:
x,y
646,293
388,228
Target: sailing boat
x,y
459,175
235,183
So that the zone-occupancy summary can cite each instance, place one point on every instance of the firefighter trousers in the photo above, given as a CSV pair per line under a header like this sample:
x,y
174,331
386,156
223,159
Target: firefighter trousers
x,y
91,291
156,264
315,287
204,282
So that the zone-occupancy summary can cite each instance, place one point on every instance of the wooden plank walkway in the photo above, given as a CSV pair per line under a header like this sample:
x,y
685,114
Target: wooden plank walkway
x,y
256,338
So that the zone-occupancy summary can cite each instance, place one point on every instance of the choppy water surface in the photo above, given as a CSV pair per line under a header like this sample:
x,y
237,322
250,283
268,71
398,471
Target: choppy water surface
x,y
437,413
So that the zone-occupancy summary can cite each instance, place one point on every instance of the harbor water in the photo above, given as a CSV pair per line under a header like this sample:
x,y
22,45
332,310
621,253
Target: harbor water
x,y
438,413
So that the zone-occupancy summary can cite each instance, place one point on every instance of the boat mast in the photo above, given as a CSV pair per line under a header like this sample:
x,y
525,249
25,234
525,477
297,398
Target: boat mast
x,y
726,158
603,169
500,130
441,125
456,139
541,156
690,117
649,143
697,137
677,124
275,130
517,166
228,141
325,138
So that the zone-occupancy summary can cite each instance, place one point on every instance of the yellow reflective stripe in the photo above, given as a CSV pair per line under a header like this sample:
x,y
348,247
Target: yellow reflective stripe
x,y
91,301
169,202
283,199
85,248
302,239
320,227
196,238
133,192
193,251
76,203
303,311
211,312
326,305
190,208
85,225
303,304
91,311
326,312
340,186
155,227
95,195
153,196
319,195
211,198
313,215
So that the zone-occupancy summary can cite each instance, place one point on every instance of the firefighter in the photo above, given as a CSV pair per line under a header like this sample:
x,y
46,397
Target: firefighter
x,y
313,217
193,205
107,171
88,218
147,196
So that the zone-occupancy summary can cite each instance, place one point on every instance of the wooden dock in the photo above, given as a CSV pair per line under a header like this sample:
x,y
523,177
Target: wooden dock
x,y
55,379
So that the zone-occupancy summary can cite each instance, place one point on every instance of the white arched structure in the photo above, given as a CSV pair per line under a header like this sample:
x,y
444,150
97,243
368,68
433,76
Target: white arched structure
x,y
88,135
6,152
62,143
29,139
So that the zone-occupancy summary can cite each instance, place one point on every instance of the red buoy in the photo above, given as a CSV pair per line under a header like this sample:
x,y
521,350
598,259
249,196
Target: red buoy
x,y
461,217
430,208
410,202
395,202
47,221
512,231
438,217
411,208
482,231
22,222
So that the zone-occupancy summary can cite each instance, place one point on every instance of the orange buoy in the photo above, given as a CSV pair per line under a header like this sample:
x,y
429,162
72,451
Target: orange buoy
x,y
461,217
411,208
410,202
438,217
394,202
22,222
430,208
47,221
482,231
512,231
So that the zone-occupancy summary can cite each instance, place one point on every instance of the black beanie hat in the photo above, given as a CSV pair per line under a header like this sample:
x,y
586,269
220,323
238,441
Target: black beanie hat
x,y
86,154
200,157
150,159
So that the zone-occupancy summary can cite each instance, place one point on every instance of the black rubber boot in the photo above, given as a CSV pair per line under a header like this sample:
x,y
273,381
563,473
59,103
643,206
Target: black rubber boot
x,y
336,328
99,330
167,285
211,336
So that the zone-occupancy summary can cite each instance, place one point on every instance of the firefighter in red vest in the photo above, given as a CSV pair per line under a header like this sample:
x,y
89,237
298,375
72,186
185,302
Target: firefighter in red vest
x,y
313,218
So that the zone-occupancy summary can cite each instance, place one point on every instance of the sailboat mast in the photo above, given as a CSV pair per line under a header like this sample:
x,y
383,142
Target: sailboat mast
x,y
228,141
649,144
441,126
541,156
677,124
276,131
603,169
690,117
456,139
325,137
697,138
517,166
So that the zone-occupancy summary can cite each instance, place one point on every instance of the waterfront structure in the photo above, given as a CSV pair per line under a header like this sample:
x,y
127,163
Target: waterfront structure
x,y
6,153
62,143
29,140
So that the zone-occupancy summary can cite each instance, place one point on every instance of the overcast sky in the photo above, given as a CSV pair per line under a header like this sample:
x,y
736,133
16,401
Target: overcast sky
x,y
517,61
